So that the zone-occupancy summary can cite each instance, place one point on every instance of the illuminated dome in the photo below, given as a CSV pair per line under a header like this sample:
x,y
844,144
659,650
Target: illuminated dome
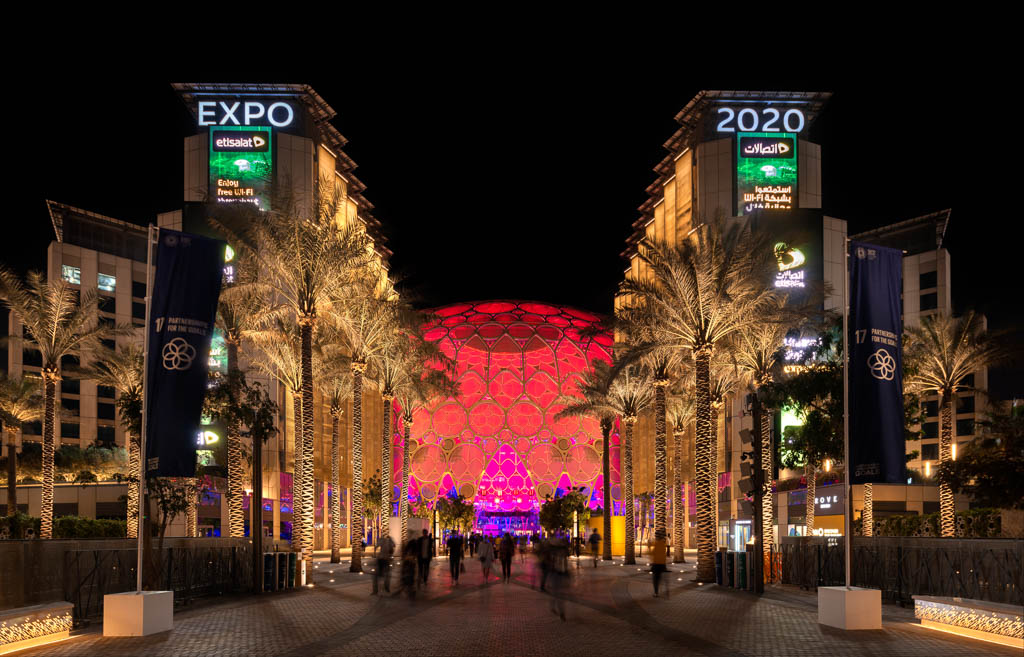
x,y
498,443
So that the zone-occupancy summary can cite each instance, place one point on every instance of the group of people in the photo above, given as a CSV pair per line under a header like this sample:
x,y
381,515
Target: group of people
x,y
417,554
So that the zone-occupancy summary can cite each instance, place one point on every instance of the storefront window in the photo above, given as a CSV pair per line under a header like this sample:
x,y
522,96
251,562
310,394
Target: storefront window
x,y
71,274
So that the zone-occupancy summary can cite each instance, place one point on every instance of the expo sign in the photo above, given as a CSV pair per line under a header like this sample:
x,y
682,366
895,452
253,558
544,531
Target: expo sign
x,y
250,112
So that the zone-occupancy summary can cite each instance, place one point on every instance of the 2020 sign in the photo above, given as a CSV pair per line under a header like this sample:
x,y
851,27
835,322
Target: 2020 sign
x,y
765,119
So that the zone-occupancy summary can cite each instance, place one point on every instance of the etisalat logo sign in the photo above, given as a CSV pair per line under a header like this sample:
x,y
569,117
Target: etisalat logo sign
x,y
241,165
766,171
790,261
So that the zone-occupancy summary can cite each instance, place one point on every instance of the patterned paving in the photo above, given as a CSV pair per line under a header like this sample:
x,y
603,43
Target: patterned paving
x,y
609,610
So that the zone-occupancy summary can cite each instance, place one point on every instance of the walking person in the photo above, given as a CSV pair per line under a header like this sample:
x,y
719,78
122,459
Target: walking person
x,y
410,555
595,545
558,551
658,553
426,545
455,543
385,551
522,548
486,558
506,551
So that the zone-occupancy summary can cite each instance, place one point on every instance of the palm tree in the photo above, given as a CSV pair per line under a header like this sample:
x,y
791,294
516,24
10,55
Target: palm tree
x,y
681,413
122,370
595,389
365,328
942,353
304,259
628,394
336,385
58,321
756,352
700,292
20,402
276,352
236,314
406,364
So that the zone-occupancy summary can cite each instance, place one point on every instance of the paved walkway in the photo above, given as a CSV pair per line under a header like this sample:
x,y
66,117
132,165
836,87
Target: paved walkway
x,y
609,610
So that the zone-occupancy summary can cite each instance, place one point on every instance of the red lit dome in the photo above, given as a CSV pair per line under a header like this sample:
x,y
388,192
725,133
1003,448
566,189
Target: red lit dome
x,y
498,443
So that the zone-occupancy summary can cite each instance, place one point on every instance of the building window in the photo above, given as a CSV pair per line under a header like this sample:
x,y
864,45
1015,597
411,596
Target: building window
x,y
139,289
138,310
105,411
69,430
109,344
69,361
930,430
71,274
105,435
106,282
107,304
965,427
72,406
930,452
929,301
32,428
965,404
32,358
967,382
105,391
931,408
929,279
71,386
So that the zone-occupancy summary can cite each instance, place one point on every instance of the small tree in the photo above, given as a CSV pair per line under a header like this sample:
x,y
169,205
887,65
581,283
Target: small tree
x,y
372,504
20,402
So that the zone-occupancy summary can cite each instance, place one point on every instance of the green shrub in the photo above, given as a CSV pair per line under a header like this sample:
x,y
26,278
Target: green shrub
x,y
76,527
17,524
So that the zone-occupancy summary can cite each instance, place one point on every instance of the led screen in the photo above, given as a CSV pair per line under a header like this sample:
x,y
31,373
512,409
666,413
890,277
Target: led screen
x,y
241,164
766,171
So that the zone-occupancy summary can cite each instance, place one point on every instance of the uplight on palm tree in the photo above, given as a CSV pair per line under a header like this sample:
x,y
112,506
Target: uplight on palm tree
x,y
681,412
122,370
20,402
941,354
58,320
702,291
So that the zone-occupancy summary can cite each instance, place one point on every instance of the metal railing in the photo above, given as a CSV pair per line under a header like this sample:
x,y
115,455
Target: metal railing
x,y
191,572
981,569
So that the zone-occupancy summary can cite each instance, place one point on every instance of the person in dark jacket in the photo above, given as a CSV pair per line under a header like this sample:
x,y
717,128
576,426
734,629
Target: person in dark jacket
x,y
455,556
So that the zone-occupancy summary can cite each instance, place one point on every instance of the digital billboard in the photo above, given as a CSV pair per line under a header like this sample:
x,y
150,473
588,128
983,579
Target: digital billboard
x,y
241,164
766,171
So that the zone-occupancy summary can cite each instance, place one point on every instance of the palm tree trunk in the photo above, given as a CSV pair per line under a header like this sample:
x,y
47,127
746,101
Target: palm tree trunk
x,y
12,474
357,468
867,516
627,491
707,502
256,522
236,473
335,490
811,488
298,480
191,511
678,503
132,512
308,500
49,401
606,549
660,459
385,467
767,502
947,508
403,504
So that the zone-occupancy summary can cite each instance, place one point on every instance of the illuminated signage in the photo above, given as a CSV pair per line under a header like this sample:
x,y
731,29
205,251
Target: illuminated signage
x,y
238,113
759,119
241,165
790,261
207,437
766,171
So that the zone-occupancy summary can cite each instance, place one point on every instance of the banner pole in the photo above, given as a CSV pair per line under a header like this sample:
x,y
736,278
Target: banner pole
x,y
152,234
847,523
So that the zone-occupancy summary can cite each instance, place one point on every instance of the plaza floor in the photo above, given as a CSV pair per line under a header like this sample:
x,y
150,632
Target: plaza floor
x,y
609,610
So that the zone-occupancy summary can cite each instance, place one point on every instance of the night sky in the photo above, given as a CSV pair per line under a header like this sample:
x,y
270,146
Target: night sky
x,y
518,176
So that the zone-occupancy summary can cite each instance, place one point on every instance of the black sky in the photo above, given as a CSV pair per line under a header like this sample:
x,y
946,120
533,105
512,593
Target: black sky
x,y
501,174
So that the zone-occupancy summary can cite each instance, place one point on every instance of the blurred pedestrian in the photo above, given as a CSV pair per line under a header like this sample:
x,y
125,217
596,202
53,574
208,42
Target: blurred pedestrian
x,y
558,558
410,555
522,548
506,550
486,558
543,551
426,544
659,551
455,543
385,551
595,544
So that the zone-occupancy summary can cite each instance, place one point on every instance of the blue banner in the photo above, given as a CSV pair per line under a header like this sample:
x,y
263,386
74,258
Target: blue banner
x,y
183,306
877,450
